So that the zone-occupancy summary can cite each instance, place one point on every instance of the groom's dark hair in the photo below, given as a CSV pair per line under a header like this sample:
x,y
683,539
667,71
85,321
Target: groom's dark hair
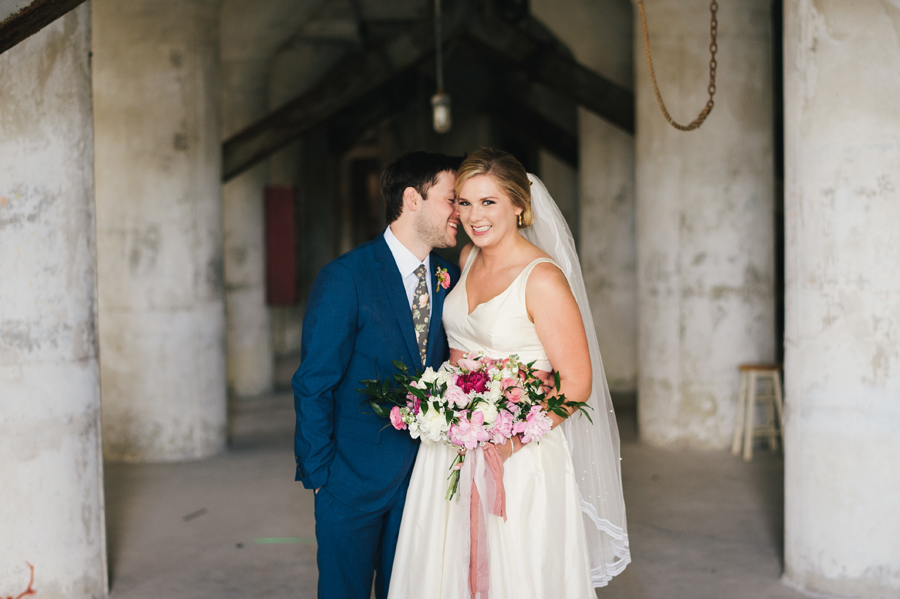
x,y
419,170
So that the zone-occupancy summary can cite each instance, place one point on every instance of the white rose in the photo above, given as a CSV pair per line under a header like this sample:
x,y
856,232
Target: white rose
x,y
429,376
490,412
444,377
495,391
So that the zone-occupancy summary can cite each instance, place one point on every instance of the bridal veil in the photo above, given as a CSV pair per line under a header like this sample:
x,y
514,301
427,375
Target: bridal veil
x,y
594,447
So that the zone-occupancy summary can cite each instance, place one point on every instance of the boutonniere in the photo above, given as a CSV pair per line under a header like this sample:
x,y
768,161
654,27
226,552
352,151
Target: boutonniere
x,y
443,277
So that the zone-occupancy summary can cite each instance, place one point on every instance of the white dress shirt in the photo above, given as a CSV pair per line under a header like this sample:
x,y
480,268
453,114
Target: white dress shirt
x,y
407,263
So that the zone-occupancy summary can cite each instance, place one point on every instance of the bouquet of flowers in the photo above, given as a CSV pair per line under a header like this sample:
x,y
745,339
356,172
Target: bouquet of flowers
x,y
476,401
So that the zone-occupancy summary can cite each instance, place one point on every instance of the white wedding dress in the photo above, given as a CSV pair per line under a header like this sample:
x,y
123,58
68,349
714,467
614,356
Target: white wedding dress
x,y
540,551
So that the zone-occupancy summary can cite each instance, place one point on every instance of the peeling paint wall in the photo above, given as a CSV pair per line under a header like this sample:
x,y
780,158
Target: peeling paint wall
x,y
51,474
599,35
159,228
842,304
705,233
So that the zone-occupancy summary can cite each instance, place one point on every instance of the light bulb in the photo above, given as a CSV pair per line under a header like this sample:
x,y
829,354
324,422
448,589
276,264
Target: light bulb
x,y
441,117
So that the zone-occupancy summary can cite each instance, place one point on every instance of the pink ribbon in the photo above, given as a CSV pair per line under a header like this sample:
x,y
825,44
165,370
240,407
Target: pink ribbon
x,y
487,474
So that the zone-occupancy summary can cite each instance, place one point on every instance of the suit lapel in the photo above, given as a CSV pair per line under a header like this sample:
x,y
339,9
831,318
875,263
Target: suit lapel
x,y
438,294
396,296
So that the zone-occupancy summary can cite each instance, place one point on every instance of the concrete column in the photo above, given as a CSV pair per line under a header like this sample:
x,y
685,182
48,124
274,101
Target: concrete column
x,y
159,228
842,297
51,473
243,94
705,232
599,34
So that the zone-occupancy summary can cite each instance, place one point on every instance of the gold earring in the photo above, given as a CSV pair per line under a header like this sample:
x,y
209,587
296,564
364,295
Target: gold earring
x,y
519,219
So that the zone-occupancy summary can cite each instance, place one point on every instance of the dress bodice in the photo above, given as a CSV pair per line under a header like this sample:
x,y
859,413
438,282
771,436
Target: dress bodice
x,y
498,327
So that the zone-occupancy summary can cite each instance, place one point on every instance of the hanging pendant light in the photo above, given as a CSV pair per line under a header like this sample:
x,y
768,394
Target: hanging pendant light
x,y
441,117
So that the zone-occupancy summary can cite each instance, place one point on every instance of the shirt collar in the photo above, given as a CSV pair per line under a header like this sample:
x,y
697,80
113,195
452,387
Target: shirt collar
x,y
405,259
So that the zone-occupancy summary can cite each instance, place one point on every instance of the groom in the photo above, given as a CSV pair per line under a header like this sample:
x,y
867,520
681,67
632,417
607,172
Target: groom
x,y
379,302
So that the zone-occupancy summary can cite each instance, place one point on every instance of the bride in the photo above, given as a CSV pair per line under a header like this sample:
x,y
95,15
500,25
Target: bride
x,y
521,292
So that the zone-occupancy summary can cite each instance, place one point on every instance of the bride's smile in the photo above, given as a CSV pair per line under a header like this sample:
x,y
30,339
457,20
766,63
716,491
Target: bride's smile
x,y
486,211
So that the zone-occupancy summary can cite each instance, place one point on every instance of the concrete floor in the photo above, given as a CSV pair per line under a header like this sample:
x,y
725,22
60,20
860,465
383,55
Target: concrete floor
x,y
703,525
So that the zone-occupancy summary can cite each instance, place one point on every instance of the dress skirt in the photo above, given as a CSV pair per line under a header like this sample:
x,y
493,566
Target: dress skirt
x,y
539,552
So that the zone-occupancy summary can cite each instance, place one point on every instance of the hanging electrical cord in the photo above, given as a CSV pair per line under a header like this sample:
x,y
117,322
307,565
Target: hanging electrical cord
x,y
711,88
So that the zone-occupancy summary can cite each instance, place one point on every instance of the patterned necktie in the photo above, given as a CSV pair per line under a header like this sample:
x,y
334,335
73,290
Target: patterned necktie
x,y
421,312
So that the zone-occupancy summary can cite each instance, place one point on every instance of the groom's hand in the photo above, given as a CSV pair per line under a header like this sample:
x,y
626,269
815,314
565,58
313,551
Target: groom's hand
x,y
316,492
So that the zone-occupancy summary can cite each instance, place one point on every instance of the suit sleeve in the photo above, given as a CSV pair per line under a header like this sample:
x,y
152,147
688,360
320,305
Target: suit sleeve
x,y
329,336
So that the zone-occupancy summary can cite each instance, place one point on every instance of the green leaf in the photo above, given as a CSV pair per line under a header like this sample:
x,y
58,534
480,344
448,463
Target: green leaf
x,y
399,365
415,391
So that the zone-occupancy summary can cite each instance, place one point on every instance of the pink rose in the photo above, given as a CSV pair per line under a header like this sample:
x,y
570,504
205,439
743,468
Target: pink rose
x,y
469,364
514,395
443,278
397,419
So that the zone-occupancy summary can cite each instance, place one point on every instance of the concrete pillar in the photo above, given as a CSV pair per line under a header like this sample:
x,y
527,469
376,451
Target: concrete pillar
x,y
159,228
599,34
249,330
705,232
842,297
249,35
51,473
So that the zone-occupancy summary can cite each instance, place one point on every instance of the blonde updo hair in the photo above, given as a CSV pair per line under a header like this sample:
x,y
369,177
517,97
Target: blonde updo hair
x,y
508,173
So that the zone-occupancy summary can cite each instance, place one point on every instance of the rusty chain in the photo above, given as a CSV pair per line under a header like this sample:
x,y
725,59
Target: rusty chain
x,y
711,88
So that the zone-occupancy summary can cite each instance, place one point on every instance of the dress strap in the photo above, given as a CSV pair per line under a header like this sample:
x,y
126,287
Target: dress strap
x,y
526,272
470,259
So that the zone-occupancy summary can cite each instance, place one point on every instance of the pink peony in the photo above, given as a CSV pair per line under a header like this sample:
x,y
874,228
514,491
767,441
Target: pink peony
x,y
397,419
468,433
456,397
502,427
537,424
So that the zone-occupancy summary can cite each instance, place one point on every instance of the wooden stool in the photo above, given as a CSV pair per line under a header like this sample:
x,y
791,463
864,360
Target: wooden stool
x,y
745,422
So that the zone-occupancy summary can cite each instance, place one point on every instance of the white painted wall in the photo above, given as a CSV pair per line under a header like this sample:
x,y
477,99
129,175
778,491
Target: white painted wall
x,y
705,232
51,474
159,228
842,305
599,35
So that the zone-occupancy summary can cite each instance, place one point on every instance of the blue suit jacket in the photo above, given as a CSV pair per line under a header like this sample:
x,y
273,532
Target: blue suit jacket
x,y
358,319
